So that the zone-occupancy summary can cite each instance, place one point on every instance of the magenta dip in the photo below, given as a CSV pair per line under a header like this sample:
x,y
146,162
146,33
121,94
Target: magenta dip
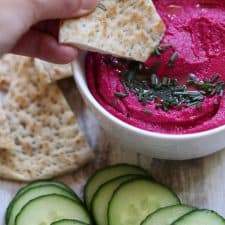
x,y
195,41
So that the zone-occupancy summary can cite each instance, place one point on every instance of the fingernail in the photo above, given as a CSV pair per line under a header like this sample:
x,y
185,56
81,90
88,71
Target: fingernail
x,y
88,5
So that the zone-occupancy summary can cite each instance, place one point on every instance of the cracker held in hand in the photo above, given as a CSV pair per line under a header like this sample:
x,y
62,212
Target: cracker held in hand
x,y
50,72
126,28
45,137
8,66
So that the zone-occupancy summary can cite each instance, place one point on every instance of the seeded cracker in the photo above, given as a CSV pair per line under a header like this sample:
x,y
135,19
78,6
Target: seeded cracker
x,y
127,28
42,128
50,72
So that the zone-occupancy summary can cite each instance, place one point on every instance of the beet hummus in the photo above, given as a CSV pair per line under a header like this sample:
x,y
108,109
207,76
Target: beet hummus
x,y
179,90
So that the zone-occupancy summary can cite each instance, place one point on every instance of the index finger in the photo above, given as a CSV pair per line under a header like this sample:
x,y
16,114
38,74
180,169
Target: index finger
x,y
61,9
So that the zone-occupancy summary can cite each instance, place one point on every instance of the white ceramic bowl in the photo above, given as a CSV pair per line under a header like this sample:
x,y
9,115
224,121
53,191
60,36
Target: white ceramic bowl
x,y
162,146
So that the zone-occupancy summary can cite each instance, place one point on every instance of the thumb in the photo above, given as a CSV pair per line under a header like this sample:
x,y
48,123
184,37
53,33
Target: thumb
x,y
61,9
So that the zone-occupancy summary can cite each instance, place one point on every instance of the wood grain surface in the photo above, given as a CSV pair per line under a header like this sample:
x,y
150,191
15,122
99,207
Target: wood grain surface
x,y
199,182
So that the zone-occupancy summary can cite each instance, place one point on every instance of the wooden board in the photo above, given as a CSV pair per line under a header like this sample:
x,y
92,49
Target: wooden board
x,y
198,182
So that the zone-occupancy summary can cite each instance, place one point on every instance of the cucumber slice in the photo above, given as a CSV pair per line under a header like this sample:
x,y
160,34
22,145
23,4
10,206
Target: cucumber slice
x,y
37,184
68,222
33,193
101,199
103,175
44,182
167,215
201,217
134,200
47,209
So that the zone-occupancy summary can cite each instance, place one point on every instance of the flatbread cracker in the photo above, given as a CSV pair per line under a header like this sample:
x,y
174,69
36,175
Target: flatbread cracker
x,y
8,66
126,28
50,72
47,141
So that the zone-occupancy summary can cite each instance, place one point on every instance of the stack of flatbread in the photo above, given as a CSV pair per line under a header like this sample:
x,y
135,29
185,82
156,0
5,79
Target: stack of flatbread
x,y
39,135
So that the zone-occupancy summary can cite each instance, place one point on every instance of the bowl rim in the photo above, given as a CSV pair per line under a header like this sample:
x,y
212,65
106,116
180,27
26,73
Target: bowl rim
x,y
79,76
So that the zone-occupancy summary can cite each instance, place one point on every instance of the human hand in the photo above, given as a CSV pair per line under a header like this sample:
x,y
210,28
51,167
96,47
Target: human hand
x,y
30,27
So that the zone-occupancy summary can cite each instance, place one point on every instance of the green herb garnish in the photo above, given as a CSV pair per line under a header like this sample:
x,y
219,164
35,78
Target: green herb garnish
x,y
146,111
165,93
217,90
129,75
173,59
154,80
154,67
165,81
102,6
215,78
120,94
161,49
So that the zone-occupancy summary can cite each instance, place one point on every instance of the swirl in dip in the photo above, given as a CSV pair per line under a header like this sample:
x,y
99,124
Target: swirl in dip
x,y
191,55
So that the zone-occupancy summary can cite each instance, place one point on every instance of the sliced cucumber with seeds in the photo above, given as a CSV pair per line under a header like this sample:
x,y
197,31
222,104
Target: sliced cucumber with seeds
x,y
201,217
68,222
103,175
33,193
167,215
101,199
50,208
134,200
